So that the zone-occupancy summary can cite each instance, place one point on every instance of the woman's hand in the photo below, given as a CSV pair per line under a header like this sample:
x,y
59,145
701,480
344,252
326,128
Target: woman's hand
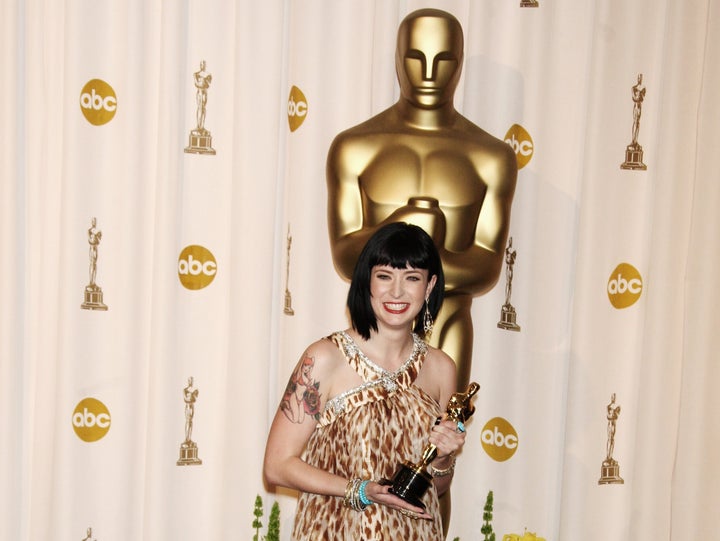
x,y
380,494
448,436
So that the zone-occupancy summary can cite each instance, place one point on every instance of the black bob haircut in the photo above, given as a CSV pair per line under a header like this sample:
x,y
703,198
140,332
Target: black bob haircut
x,y
398,245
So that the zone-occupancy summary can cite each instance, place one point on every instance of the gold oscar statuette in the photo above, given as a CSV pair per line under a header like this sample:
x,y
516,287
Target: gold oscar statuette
x,y
288,309
610,469
422,162
188,448
508,315
634,151
93,292
418,159
200,138
411,481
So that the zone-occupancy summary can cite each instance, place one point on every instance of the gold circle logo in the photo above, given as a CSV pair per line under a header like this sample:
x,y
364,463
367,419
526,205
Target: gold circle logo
x,y
196,267
98,102
297,108
624,286
91,419
499,439
521,142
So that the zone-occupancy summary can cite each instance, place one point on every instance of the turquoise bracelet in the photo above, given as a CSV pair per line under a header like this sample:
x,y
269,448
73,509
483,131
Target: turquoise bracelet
x,y
364,500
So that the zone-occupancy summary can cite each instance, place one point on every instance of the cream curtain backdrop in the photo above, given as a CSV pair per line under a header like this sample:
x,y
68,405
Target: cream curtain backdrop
x,y
562,71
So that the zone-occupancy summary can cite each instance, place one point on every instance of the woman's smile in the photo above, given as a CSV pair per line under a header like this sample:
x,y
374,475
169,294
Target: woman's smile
x,y
396,307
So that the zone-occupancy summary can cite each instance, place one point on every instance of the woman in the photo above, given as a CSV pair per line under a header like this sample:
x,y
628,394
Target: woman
x,y
375,399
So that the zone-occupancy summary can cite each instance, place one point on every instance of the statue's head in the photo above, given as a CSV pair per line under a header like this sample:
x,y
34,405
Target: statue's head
x,y
429,57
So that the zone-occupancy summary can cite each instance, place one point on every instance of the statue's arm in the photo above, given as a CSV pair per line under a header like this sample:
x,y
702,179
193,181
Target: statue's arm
x,y
347,230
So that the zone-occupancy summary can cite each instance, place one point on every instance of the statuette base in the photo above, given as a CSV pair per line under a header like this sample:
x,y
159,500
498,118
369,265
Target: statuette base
x,y
189,454
508,318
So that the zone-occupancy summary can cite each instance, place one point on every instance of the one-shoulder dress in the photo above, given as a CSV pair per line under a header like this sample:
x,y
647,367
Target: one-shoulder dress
x,y
367,432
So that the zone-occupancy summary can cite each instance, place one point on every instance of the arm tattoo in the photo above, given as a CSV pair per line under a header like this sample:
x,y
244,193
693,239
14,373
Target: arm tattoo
x,y
301,398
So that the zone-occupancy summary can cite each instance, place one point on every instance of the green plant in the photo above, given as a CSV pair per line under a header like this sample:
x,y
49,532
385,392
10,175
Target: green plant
x,y
273,529
487,529
258,512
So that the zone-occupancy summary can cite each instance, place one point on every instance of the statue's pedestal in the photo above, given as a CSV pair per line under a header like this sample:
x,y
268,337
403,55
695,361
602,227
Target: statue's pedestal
x,y
93,298
633,158
200,143
610,473
508,318
188,454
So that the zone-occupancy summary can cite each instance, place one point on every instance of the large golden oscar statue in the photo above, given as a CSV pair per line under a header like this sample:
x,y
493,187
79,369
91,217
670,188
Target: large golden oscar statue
x,y
420,161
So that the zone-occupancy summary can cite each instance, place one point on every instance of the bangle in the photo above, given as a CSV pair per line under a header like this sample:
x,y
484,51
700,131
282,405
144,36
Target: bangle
x,y
355,497
364,500
442,473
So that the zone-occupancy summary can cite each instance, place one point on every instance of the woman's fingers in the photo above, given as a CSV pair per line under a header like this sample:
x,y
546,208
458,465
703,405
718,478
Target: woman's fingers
x,y
381,494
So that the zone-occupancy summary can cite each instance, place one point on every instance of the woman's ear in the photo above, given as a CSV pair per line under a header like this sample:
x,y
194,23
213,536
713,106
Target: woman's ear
x,y
431,285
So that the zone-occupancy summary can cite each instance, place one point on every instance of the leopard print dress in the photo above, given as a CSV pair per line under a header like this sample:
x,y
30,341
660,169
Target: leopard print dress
x,y
366,432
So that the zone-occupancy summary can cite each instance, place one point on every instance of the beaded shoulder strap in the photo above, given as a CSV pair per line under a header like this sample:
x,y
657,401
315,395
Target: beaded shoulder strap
x,y
378,383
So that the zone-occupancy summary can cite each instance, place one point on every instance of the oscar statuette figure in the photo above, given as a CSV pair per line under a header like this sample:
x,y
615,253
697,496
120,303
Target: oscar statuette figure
x,y
634,152
411,481
93,292
421,159
188,448
200,137
610,469
508,315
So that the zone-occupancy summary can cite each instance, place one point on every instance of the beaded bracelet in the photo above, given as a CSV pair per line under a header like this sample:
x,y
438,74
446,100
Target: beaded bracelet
x,y
442,473
364,500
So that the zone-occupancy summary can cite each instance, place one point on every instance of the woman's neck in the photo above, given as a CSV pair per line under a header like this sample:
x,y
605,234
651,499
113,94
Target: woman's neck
x,y
387,348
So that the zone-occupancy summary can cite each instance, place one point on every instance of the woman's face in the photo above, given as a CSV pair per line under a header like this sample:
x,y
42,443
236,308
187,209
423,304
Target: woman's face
x,y
398,295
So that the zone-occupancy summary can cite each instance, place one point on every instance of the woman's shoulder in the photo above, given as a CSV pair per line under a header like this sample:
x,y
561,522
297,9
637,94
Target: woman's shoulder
x,y
325,352
438,360
438,374
331,369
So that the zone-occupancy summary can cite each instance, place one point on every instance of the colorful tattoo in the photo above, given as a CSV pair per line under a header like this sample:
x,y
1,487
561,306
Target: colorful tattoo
x,y
301,396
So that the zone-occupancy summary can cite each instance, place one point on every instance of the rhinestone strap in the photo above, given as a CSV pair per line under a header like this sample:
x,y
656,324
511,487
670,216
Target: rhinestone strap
x,y
386,379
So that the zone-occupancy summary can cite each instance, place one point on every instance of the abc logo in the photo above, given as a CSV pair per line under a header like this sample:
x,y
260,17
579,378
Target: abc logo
x,y
98,102
521,142
91,419
624,286
196,267
499,439
297,108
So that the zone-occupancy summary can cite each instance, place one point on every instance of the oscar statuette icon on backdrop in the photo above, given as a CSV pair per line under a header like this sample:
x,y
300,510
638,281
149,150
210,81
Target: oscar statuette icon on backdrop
x,y
287,308
188,448
200,137
508,315
634,152
610,469
93,292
